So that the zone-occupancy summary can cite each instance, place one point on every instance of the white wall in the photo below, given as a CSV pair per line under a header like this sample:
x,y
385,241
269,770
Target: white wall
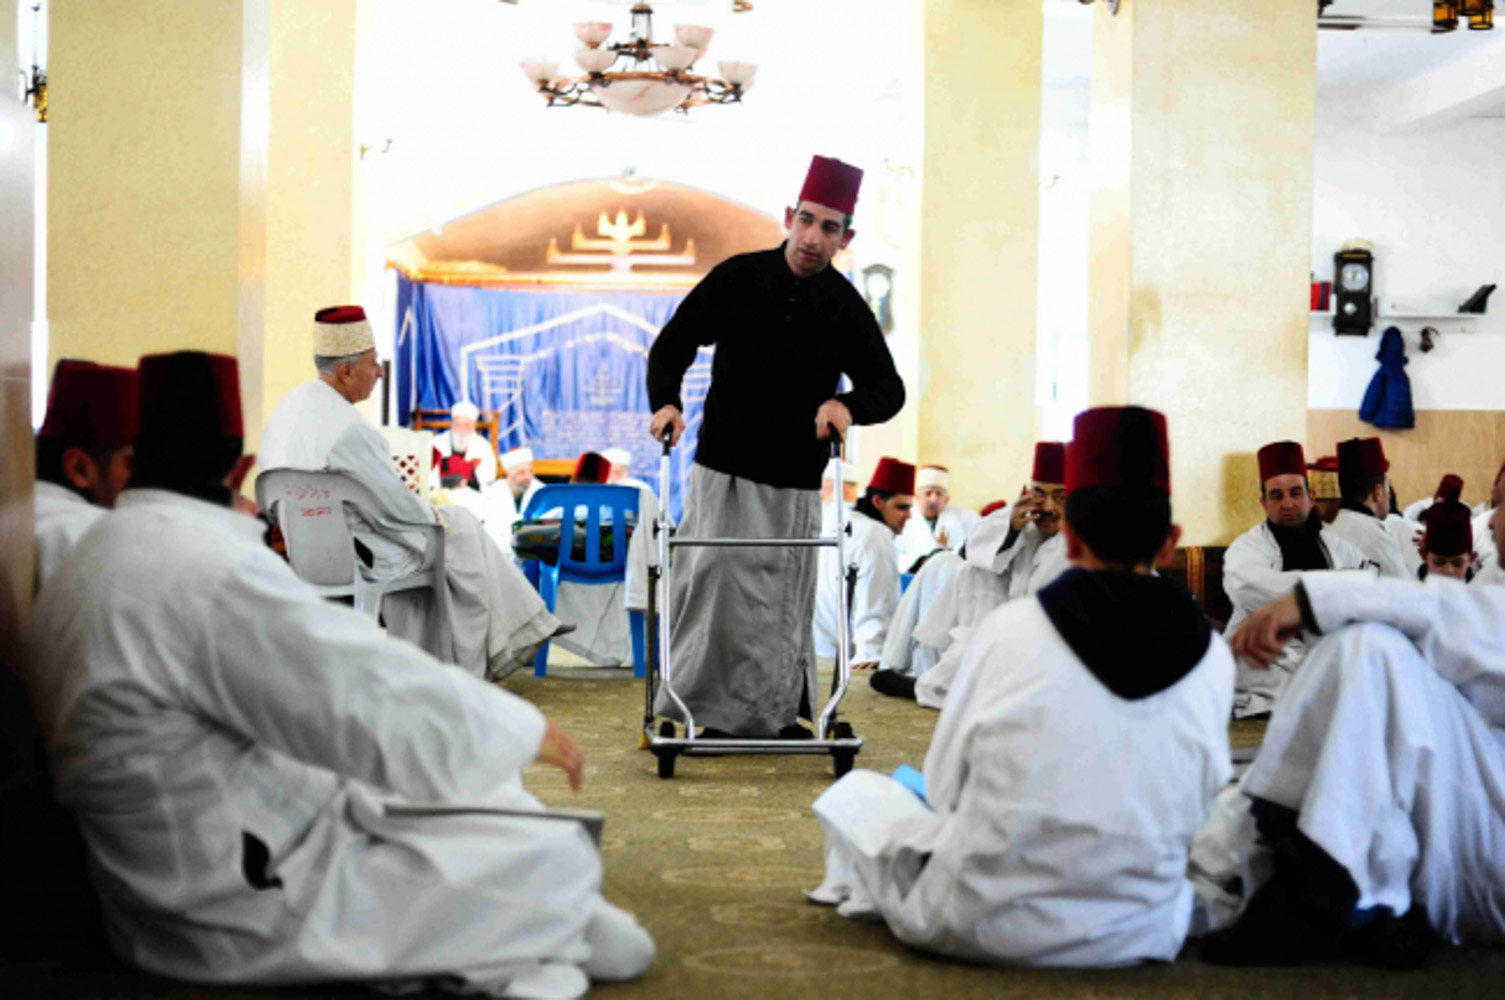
x,y
1434,207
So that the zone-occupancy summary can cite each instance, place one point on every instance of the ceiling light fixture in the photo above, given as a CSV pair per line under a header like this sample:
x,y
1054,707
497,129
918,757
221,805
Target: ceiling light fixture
x,y
640,76
1480,15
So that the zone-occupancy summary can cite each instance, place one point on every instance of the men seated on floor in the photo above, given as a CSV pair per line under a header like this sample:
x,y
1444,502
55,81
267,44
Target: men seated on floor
x,y
496,618
1450,488
1327,499
83,455
1008,558
1269,558
238,753
1447,541
1084,742
463,452
1363,476
1371,821
878,517
937,523
905,658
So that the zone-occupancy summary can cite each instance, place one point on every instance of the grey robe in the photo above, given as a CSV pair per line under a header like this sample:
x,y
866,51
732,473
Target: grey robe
x,y
740,618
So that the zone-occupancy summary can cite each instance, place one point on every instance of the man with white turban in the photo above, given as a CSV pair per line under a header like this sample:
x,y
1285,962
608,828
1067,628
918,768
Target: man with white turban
x,y
497,618
464,452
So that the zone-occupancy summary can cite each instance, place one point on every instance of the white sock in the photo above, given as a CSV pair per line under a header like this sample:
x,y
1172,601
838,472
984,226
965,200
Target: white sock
x,y
548,981
620,948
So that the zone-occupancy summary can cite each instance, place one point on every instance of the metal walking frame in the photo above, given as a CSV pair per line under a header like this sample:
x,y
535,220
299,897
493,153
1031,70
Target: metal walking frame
x,y
832,736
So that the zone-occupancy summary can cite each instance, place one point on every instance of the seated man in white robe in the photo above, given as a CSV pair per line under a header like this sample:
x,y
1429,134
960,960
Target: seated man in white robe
x,y
1009,557
1085,741
83,455
497,619
905,658
1363,476
1269,558
938,524
1373,816
463,451
878,517
254,769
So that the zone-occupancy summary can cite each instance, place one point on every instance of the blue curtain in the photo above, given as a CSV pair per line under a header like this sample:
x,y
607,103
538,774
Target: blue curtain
x,y
566,371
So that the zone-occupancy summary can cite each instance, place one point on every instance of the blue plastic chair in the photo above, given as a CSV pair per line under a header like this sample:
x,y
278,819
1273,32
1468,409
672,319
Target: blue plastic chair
x,y
603,504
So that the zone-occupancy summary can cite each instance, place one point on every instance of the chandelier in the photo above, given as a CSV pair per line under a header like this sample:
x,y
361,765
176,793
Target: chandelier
x,y
1446,16
640,76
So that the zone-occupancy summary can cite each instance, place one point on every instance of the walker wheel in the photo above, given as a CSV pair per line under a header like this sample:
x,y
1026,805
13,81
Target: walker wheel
x,y
843,760
666,730
666,763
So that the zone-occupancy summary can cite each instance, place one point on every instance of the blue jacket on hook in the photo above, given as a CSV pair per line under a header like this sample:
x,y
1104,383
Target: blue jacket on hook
x,y
1387,401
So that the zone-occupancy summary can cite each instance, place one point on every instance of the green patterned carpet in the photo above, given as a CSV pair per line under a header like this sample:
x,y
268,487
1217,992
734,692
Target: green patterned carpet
x,y
713,862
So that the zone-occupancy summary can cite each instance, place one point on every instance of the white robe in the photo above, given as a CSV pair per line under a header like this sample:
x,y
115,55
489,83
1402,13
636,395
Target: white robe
x,y
902,652
60,520
1376,541
871,549
992,576
1390,744
203,706
918,539
495,615
1047,840
1407,535
1253,576
1484,540
477,450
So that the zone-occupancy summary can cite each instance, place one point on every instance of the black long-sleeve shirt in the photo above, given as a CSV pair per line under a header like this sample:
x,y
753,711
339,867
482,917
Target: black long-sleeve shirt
x,y
782,344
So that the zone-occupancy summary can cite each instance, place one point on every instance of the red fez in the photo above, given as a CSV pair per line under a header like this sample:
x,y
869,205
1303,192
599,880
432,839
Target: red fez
x,y
189,393
91,405
591,468
1283,458
1451,488
833,184
1450,529
1119,446
340,314
1327,463
1050,462
892,476
1361,458
458,465
990,508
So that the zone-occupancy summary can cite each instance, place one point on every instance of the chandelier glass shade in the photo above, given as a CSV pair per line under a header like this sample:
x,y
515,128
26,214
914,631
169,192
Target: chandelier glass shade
x,y
640,76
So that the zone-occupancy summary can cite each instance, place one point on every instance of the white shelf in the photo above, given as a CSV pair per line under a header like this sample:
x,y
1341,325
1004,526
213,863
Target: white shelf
x,y
1380,319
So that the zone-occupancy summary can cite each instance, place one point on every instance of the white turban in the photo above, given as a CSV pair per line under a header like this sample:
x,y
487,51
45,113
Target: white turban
x,y
620,458
464,410
341,331
932,475
516,457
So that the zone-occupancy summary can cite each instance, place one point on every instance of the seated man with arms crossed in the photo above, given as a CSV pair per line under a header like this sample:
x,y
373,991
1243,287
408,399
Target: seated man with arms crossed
x,y
1270,557
1086,738
244,758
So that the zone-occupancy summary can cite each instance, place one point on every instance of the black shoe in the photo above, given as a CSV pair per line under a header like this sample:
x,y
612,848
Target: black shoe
x,y
795,732
1276,928
893,684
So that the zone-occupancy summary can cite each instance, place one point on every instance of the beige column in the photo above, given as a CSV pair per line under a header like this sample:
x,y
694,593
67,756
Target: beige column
x,y
1201,150
201,172
979,236
157,178
313,257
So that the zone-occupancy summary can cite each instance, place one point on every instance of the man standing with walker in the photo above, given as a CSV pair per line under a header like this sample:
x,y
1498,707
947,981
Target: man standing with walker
x,y
786,327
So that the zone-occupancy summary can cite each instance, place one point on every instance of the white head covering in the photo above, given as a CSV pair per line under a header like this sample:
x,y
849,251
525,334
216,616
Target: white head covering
x,y
516,457
620,458
932,475
341,331
464,410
